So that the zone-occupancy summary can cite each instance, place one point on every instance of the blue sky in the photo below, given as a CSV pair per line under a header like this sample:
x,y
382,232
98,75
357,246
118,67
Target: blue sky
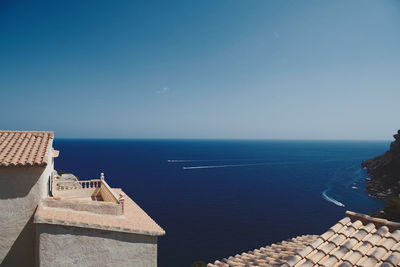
x,y
201,69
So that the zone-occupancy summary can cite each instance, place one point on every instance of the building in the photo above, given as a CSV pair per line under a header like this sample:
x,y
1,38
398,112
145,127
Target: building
x,y
46,220
355,240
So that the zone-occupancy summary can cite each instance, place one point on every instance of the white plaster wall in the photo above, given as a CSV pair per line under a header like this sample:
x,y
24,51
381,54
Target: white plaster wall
x,y
21,189
74,246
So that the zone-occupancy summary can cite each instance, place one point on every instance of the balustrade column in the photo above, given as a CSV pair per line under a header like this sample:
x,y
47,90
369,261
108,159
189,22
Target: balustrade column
x,y
121,202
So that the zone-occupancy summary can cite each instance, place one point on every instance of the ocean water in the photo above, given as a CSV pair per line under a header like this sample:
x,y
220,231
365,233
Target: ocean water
x,y
218,198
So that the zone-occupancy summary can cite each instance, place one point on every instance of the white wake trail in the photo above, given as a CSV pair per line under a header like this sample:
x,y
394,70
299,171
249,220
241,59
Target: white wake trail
x,y
219,160
334,201
222,166
184,160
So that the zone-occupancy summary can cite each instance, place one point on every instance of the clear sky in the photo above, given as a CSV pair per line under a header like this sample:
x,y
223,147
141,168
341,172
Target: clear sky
x,y
201,69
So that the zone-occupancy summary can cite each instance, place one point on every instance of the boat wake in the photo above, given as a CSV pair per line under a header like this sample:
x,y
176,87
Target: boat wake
x,y
184,160
334,201
217,160
222,166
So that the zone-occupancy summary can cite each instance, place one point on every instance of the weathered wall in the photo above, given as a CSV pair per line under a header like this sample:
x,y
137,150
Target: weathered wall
x,y
21,189
104,208
73,246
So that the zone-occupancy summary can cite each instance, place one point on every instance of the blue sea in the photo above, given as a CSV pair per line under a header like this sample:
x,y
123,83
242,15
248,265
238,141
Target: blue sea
x,y
217,198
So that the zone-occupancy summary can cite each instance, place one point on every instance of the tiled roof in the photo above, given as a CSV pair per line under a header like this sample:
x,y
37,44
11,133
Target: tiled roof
x,y
273,255
25,148
356,240
133,220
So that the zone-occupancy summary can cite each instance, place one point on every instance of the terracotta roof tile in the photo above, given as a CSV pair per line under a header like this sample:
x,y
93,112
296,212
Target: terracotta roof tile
x,y
386,264
345,264
340,252
316,257
382,231
363,247
317,242
328,234
370,262
388,243
361,241
25,148
337,227
360,235
345,221
337,240
293,260
353,257
374,239
356,240
329,261
394,258
395,236
304,252
377,253
396,247
273,255
307,263
327,247
347,231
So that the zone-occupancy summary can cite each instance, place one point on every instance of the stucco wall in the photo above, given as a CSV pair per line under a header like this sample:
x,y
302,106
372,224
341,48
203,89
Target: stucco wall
x,y
73,246
21,189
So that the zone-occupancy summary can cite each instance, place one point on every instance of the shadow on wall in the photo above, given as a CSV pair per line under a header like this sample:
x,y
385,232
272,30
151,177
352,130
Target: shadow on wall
x,y
75,232
16,182
100,248
25,241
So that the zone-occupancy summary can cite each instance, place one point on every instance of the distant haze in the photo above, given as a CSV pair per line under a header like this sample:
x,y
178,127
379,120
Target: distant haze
x,y
201,69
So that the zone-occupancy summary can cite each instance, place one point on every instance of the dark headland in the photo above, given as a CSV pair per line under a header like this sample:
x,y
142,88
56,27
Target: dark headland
x,y
385,179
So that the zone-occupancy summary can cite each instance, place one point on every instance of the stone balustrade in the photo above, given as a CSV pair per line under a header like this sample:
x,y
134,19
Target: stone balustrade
x,y
73,185
95,188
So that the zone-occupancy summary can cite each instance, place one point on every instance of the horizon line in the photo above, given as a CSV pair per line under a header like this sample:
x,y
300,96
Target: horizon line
x,y
212,139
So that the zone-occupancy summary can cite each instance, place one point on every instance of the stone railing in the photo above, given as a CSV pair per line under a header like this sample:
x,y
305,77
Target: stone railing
x,y
75,189
94,189
73,185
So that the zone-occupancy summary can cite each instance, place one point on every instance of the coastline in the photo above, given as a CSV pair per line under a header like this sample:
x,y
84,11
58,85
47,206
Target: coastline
x,y
384,183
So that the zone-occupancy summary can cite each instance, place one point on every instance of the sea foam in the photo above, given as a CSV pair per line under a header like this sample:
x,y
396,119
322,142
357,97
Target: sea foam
x,y
332,200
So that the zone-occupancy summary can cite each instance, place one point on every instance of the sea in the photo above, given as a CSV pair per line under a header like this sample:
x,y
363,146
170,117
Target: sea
x,y
217,198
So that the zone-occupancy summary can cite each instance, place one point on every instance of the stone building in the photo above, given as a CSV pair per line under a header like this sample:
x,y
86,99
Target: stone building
x,y
46,220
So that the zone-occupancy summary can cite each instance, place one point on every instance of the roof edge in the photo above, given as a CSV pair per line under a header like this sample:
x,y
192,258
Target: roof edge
x,y
378,222
39,220
20,131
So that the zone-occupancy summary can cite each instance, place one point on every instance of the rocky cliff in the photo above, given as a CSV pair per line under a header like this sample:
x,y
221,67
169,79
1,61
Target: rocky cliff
x,y
385,171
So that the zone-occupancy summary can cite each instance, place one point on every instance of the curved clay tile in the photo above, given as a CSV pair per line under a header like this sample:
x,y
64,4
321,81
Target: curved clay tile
x,y
25,148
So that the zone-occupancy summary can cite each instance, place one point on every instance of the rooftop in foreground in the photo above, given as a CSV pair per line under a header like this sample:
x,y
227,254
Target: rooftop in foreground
x,y
356,240
273,255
